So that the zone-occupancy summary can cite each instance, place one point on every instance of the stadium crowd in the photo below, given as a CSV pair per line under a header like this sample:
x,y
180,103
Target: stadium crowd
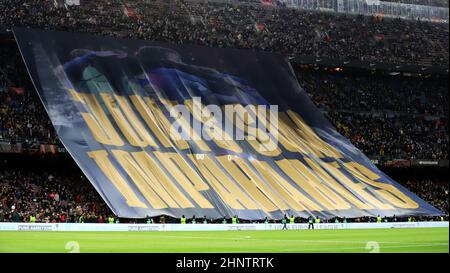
x,y
384,116
397,117
243,25
22,117
62,198
435,192
50,198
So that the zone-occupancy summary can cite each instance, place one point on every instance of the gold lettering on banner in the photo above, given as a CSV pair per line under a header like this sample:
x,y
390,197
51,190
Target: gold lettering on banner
x,y
358,188
145,180
242,173
172,180
387,191
157,121
310,183
219,136
256,137
228,191
96,119
320,147
184,167
101,159
295,199
186,126
151,165
289,138
131,127
354,193
185,176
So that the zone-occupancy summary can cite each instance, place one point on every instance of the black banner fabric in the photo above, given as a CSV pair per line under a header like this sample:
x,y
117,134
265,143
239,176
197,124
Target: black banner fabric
x,y
186,130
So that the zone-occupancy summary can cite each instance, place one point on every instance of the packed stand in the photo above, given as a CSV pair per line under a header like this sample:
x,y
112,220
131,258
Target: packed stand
x,y
433,3
50,198
387,117
55,198
434,192
244,25
22,118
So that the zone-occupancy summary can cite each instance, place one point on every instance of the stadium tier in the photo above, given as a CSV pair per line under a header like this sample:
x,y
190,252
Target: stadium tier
x,y
436,3
146,121
172,130
242,25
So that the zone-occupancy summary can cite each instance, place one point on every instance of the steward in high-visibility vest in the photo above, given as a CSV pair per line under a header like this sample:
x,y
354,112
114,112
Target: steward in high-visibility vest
x,y
317,220
32,219
81,219
409,219
183,220
378,219
292,220
111,220
442,218
234,220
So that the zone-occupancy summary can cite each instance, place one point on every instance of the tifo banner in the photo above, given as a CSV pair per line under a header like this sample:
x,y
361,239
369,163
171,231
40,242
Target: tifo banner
x,y
202,227
188,130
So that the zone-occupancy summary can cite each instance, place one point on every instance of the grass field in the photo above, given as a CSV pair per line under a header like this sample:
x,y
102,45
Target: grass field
x,y
336,241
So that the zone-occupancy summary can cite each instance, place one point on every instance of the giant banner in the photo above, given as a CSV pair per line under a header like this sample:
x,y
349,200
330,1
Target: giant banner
x,y
186,130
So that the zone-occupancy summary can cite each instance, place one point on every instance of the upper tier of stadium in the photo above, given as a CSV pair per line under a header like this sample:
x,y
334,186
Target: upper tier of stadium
x,y
404,116
245,25
433,3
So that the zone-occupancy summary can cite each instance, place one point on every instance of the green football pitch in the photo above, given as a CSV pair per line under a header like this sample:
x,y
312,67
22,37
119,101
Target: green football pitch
x,y
335,241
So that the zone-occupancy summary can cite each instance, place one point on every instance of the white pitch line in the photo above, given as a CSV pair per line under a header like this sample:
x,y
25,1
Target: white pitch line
x,y
335,250
297,240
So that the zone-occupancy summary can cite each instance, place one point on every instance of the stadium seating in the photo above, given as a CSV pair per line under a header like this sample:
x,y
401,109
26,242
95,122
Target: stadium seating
x,y
290,31
387,117
65,197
